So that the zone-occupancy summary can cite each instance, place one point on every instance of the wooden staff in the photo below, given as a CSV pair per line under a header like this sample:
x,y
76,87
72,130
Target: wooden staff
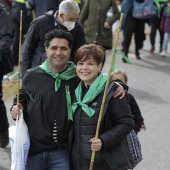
x,y
20,50
105,90
33,14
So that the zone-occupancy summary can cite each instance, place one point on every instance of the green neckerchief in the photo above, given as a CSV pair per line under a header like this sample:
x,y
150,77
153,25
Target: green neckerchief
x,y
168,11
157,2
95,88
66,75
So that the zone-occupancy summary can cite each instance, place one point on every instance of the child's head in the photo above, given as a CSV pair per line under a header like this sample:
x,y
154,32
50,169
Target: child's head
x,y
119,75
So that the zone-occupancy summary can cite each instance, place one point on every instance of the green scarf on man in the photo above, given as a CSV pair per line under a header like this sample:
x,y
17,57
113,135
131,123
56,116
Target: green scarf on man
x,y
66,75
95,89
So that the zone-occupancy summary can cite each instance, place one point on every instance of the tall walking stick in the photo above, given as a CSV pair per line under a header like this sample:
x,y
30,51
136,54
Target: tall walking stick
x,y
105,90
20,50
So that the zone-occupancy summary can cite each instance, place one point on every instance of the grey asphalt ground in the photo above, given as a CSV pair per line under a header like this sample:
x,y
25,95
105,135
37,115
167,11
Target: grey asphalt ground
x,y
149,82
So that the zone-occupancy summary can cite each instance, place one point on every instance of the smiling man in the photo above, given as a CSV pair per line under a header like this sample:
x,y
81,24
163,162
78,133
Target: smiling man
x,y
50,86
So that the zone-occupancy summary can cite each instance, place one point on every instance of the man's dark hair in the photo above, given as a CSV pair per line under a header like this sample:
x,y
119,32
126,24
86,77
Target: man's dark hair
x,y
58,33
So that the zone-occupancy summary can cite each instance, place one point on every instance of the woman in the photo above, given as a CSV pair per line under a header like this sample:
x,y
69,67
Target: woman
x,y
88,98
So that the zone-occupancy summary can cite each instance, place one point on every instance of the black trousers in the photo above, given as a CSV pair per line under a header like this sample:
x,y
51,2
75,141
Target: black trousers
x,y
155,25
26,20
133,26
3,114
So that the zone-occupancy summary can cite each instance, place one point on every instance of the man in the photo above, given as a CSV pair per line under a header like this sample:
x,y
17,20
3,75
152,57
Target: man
x,y
46,98
5,43
33,53
46,113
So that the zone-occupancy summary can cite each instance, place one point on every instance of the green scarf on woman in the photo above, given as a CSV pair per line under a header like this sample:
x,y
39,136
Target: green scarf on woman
x,y
95,89
66,75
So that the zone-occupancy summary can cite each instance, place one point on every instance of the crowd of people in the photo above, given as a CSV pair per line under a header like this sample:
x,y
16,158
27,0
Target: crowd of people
x,y
63,53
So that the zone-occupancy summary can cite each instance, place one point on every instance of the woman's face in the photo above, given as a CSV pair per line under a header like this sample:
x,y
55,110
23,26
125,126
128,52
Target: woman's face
x,y
88,70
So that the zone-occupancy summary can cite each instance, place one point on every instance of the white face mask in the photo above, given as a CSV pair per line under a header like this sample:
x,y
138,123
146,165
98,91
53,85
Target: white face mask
x,y
69,25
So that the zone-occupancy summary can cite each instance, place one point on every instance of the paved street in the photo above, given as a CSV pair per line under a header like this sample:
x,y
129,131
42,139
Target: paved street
x,y
149,82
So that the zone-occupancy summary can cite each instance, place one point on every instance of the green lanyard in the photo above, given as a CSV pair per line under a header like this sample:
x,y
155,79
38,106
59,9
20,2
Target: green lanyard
x,y
69,108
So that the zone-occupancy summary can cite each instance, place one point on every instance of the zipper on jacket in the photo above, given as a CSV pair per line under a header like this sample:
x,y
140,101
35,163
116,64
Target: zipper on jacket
x,y
68,99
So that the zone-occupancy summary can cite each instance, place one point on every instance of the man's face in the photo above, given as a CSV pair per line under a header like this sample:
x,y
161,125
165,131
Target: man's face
x,y
71,17
69,20
58,54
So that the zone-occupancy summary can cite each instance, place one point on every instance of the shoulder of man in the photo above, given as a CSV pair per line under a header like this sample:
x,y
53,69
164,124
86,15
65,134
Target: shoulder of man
x,y
45,16
41,19
50,13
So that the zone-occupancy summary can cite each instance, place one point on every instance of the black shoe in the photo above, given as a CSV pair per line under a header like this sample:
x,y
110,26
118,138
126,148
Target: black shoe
x,y
124,60
4,139
152,49
138,57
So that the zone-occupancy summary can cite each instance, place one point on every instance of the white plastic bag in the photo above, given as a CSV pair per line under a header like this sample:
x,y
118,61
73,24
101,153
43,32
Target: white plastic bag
x,y
20,143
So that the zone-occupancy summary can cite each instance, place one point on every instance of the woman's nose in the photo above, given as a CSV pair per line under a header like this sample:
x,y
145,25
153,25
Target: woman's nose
x,y
84,66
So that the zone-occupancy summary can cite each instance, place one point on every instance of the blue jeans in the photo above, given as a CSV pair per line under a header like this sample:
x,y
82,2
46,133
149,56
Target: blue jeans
x,y
52,160
166,40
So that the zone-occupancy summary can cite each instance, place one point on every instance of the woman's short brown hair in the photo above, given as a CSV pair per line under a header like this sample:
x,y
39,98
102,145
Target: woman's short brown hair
x,y
96,52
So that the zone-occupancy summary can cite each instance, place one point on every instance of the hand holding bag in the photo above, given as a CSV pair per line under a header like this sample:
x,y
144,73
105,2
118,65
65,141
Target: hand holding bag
x,y
144,10
20,143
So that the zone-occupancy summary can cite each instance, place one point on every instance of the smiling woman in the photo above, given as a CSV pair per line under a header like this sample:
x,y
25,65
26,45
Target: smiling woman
x,y
116,123
89,62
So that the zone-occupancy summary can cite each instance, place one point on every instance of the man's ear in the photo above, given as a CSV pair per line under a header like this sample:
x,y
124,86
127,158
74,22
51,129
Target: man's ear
x,y
46,49
61,15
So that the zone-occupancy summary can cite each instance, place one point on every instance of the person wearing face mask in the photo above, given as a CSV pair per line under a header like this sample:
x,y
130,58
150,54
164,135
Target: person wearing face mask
x,y
33,53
